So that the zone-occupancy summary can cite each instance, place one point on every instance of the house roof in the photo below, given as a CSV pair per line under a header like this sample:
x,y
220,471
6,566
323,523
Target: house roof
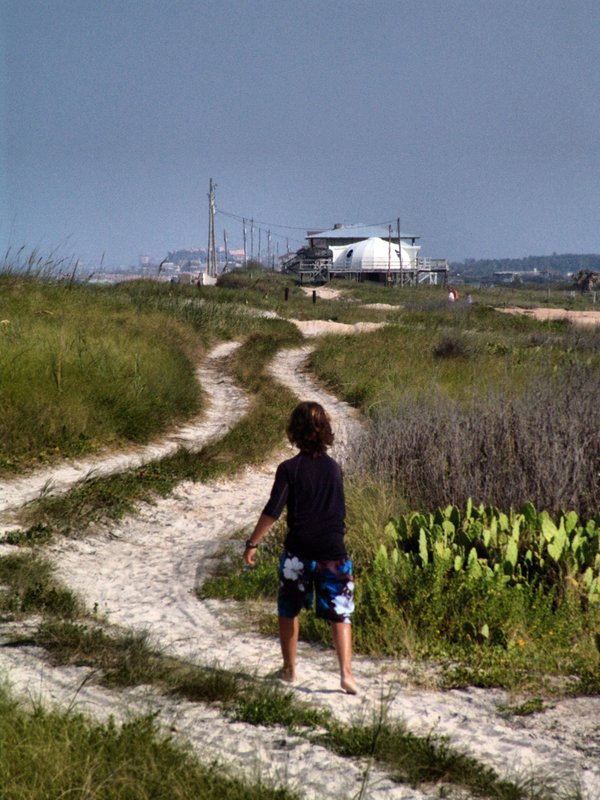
x,y
358,232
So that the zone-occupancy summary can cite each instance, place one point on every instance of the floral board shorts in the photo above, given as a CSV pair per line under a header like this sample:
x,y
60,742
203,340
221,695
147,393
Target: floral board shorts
x,y
331,581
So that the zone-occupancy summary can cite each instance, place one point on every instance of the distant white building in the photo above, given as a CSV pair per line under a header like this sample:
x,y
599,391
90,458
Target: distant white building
x,y
365,252
374,254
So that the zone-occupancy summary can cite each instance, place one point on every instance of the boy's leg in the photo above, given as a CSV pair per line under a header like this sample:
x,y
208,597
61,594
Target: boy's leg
x,y
295,593
342,641
289,628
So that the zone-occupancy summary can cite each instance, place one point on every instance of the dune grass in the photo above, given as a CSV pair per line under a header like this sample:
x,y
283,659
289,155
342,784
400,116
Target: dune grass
x,y
79,369
28,586
83,366
457,353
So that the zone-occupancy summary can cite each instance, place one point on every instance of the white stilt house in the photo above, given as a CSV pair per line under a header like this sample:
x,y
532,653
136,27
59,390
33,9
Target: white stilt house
x,y
365,253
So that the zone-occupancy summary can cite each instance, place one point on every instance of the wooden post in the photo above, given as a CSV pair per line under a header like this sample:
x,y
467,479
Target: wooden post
x,y
286,293
314,297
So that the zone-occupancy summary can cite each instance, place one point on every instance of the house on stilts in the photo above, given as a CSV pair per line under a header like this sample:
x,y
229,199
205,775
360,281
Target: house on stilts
x,y
359,252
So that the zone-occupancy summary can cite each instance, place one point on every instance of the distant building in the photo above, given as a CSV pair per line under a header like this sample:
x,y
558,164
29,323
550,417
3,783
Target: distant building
x,y
364,252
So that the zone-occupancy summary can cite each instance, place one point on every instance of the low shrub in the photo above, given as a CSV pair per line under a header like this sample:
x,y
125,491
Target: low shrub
x,y
451,346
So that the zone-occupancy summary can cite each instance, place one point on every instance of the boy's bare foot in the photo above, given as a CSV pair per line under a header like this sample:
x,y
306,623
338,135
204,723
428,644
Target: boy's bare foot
x,y
348,684
285,673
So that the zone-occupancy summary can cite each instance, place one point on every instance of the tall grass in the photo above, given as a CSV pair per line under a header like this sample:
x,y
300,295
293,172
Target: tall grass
x,y
80,369
28,586
460,354
541,446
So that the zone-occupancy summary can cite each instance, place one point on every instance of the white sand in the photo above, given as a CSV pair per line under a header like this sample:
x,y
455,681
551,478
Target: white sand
x,y
142,574
320,327
324,292
382,306
577,317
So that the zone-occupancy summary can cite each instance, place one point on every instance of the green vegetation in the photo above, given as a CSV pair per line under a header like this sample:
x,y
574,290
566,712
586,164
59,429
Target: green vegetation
x,y
49,754
79,369
27,586
499,600
461,402
428,759
491,351
504,598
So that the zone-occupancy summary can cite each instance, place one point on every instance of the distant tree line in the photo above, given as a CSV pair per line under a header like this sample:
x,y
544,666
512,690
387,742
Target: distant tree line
x,y
556,263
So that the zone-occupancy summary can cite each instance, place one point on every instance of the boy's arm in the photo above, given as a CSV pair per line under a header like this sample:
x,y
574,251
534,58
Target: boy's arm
x,y
260,531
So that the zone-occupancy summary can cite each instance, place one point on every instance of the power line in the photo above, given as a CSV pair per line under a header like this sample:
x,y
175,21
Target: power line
x,y
305,227
259,222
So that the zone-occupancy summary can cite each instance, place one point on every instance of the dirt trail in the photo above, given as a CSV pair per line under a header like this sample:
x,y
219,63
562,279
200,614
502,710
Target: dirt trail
x,y
142,574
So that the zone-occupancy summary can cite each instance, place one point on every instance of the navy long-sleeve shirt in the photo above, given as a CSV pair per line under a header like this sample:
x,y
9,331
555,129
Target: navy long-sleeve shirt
x,y
313,491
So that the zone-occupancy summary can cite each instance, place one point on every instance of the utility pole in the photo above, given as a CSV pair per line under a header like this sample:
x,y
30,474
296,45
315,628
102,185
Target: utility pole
x,y
245,250
400,253
251,240
389,253
226,249
211,265
259,244
269,248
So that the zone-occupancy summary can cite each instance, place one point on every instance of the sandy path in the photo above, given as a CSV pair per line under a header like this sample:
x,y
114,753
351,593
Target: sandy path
x,y
577,317
226,404
143,573
320,327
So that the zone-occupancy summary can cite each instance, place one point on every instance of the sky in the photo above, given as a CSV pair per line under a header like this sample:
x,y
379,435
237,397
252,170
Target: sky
x,y
476,122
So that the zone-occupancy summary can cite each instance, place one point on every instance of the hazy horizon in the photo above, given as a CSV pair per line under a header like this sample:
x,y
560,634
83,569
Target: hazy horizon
x,y
475,123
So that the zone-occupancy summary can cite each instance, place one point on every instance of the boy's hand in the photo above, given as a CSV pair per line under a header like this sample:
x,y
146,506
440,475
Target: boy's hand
x,y
250,556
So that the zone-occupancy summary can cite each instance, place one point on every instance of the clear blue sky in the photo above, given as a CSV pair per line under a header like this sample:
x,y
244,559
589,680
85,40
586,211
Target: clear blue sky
x,y
477,122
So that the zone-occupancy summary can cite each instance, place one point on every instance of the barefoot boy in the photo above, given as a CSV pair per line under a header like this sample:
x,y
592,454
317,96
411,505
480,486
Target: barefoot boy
x,y
314,561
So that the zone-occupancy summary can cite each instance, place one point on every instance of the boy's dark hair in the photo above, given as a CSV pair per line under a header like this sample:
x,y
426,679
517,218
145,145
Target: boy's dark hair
x,y
309,429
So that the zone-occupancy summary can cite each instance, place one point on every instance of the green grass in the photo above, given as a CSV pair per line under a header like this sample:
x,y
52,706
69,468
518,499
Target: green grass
x,y
534,635
80,369
401,361
49,754
27,585
430,759
130,659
